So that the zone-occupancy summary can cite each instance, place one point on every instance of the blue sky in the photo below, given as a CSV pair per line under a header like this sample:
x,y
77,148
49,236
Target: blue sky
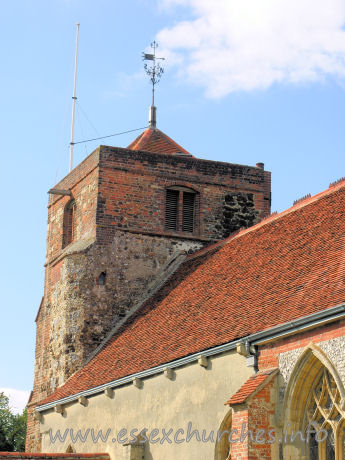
x,y
246,81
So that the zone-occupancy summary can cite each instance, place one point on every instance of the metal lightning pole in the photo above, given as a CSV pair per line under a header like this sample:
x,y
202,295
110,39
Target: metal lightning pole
x,y
73,103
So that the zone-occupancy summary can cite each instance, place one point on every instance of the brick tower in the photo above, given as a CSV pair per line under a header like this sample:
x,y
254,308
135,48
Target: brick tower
x,y
118,224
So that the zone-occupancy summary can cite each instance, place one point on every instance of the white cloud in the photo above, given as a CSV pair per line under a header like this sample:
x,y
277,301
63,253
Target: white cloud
x,y
125,84
236,45
18,398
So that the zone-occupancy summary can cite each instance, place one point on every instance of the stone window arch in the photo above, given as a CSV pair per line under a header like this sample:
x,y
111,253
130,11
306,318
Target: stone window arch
x,y
315,395
181,204
223,447
68,233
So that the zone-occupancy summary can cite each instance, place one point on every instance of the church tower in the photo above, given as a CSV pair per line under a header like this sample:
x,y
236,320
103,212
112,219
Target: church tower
x,y
118,225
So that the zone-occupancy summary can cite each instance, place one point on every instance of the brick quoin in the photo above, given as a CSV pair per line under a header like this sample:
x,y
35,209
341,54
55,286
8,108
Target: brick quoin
x,y
257,414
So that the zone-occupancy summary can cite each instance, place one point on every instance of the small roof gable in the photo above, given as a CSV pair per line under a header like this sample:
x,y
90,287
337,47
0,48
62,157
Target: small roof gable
x,y
155,141
288,266
254,384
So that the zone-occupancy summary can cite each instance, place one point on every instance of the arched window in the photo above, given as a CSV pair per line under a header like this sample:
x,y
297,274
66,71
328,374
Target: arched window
x,y
323,409
102,279
315,399
68,223
180,209
223,447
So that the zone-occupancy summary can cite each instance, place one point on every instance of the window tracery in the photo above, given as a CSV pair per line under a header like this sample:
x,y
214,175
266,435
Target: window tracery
x,y
324,410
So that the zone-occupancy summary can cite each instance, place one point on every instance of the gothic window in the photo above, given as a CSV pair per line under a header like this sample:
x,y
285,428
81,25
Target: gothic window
x,y
324,410
68,224
313,450
223,446
180,209
314,399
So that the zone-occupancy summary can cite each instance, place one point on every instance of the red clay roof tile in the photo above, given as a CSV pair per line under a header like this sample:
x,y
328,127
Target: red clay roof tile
x,y
289,266
155,141
251,386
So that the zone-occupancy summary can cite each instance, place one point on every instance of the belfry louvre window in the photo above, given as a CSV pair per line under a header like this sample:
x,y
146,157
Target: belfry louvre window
x,y
188,212
171,209
180,210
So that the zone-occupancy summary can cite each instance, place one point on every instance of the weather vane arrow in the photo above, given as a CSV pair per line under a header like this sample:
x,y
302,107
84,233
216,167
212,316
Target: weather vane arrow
x,y
155,72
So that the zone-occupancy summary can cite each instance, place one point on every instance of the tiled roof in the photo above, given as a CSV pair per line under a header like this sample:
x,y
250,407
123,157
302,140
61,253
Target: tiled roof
x,y
155,141
288,266
251,386
29,456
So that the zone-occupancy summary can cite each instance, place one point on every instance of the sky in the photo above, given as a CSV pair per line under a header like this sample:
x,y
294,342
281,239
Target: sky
x,y
245,81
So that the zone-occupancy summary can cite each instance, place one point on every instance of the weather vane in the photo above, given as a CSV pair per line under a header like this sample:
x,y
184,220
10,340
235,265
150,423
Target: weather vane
x,y
155,72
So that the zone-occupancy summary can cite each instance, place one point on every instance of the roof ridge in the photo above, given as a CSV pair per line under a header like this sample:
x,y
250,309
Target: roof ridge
x,y
135,141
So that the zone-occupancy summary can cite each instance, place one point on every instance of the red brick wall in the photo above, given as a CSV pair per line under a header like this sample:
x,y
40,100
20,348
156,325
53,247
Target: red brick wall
x,y
83,184
256,415
261,413
240,450
133,184
269,353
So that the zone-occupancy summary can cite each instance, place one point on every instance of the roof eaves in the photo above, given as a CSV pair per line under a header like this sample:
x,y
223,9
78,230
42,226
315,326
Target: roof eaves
x,y
276,332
